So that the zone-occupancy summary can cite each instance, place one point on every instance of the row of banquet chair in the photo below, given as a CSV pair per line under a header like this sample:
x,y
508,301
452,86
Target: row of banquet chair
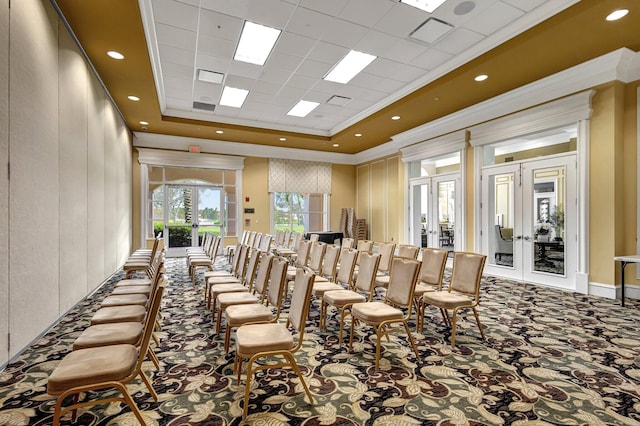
x,y
111,351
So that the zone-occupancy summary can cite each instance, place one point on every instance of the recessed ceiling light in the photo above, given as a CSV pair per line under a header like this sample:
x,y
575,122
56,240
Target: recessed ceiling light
x,y
144,123
357,135
349,66
481,77
283,139
395,117
115,55
219,132
233,97
133,98
335,145
617,14
256,42
426,5
302,108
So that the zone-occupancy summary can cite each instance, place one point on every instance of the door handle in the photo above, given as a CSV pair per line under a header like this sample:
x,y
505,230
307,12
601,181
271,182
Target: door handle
x,y
518,237
527,238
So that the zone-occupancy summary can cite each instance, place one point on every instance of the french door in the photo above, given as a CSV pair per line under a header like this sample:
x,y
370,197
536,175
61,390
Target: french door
x,y
189,212
528,215
434,207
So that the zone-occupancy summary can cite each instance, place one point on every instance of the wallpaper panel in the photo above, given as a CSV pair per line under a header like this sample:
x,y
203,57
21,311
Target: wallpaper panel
x,y
4,182
34,189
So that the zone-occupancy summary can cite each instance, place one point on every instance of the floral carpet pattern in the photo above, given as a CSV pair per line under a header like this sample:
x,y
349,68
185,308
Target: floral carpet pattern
x,y
550,358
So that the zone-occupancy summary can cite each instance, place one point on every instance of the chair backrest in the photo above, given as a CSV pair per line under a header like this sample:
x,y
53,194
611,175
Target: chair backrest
x,y
433,263
402,282
277,283
347,265
265,242
365,245
214,246
347,243
314,238
149,322
236,258
242,261
250,270
303,253
316,256
467,273
295,241
386,251
408,251
369,264
330,262
300,301
252,238
245,237
286,238
262,276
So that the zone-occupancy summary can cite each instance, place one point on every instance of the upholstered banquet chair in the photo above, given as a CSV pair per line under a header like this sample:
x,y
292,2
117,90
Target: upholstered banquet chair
x,y
396,307
463,292
432,268
255,341
104,367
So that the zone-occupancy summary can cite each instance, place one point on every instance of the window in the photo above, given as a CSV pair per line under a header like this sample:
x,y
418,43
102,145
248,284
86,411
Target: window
x,y
296,212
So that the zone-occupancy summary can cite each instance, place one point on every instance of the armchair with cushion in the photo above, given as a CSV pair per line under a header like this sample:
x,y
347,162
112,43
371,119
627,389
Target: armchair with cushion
x,y
504,242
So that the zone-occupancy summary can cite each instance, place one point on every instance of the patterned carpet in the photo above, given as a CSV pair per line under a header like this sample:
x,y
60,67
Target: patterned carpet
x,y
550,358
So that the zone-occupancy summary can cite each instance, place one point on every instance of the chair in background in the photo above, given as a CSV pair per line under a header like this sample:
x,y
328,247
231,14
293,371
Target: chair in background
x,y
408,251
504,242
329,264
432,268
396,307
463,292
255,341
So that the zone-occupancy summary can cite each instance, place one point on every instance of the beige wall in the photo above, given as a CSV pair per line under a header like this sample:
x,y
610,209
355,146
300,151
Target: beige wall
x,y
630,179
343,192
255,181
69,218
4,179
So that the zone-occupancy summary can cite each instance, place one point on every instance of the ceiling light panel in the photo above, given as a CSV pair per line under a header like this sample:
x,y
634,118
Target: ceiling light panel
x,y
256,43
431,30
349,66
210,76
426,5
302,108
233,97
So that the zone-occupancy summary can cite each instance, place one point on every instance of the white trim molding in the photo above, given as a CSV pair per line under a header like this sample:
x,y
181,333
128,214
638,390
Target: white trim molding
x,y
161,157
446,144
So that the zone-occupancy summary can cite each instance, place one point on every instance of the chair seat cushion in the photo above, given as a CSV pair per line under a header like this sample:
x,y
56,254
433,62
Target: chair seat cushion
x,y
136,265
236,315
127,313
134,282
210,274
124,299
254,338
447,300
422,289
383,280
375,312
236,298
223,280
132,289
320,288
93,365
343,297
109,334
226,288
320,279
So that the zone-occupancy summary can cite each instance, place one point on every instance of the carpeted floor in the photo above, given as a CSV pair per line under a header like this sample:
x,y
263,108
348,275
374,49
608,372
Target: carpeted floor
x,y
550,357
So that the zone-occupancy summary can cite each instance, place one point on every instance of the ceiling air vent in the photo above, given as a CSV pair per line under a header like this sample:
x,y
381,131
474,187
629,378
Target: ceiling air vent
x,y
338,100
204,106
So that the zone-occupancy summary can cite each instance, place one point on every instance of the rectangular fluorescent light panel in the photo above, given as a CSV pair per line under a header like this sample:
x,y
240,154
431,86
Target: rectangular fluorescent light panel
x,y
431,30
256,42
426,5
233,97
349,66
303,108
210,76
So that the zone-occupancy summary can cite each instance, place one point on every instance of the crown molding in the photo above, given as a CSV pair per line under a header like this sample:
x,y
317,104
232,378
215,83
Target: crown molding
x,y
446,144
163,157
146,13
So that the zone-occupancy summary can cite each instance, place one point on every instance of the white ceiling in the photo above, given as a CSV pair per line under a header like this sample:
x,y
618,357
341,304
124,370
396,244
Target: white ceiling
x,y
202,34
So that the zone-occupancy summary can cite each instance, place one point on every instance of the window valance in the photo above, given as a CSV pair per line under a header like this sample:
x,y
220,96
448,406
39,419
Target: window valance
x,y
306,177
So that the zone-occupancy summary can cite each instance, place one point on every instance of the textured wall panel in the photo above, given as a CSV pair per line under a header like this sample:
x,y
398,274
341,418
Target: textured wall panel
x,y
110,190
124,214
363,183
96,103
33,136
4,181
377,227
72,104
395,200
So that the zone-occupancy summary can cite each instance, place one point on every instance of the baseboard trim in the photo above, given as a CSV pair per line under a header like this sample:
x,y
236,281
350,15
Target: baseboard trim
x,y
614,291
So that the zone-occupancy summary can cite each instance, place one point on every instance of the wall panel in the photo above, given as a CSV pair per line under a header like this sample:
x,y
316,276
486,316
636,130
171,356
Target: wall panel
x,y
363,193
378,203
96,236
33,136
124,200
110,190
73,172
395,199
4,181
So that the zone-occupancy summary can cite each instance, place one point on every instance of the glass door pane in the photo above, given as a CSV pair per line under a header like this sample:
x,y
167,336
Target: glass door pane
x,y
179,216
419,203
446,203
209,212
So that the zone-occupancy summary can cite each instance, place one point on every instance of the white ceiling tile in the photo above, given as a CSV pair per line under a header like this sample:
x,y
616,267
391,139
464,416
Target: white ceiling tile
x,y
244,69
237,8
459,40
282,61
366,12
176,37
184,85
294,44
493,18
377,43
179,104
216,46
308,23
407,73
400,20
526,5
176,14
256,97
220,25
266,87
272,13
275,76
327,53
328,7
383,67
175,55
343,33
291,93
239,82
227,111
213,63
315,69
209,90
176,70
366,80
302,81
390,85
431,59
